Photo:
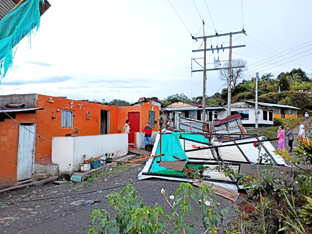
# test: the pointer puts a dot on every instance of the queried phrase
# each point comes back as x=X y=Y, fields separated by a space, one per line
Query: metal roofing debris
x=227 y=119
x=7 y=5
x=233 y=153
x=273 y=105
x=10 y=110
x=222 y=191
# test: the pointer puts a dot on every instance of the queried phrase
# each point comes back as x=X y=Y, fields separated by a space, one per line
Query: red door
x=134 y=118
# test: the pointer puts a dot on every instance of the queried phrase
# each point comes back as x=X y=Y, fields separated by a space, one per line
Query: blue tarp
x=171 y=146
x=13 y=27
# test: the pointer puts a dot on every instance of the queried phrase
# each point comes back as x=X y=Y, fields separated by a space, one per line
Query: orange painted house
x=44 y=117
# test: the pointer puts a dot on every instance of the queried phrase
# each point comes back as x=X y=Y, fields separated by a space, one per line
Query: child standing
x=147 y=135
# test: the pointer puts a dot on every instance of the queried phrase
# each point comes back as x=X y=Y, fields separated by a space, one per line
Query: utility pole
x=229 y=78
x=256 y=101
x=204 y=70
x=204 y=77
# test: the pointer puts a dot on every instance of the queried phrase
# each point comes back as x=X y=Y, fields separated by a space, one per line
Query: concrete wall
x=30 y=100
x=140 y=139
x=68 y=152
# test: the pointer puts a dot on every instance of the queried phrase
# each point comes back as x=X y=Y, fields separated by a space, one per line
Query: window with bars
x=265 y=115
x=67 y=119
x=270 y=115
x=244 y=114
x=151 y=118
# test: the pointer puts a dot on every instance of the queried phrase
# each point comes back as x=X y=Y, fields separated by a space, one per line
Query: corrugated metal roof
x=7 y=5
x=227 y=119
x=10 y=110
x=274 y=105
x=194 y=108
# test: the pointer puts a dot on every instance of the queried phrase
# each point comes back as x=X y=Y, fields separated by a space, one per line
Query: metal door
x=134 y=118
x=25 y=157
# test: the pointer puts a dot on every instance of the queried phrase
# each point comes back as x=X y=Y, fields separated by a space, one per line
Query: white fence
x=68 y=152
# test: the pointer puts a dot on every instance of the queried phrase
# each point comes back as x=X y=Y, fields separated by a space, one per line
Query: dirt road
x=66 y=208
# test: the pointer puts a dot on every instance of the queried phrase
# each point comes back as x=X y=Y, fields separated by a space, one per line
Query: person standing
x=301 y=133
x=126 y=128
x=281 y=139
x=306 y=115
x=290 y=139
x=147 y=135
x=310 y=132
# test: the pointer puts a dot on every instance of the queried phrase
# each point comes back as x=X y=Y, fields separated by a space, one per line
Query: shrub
x=133 y=217
x=278 y=122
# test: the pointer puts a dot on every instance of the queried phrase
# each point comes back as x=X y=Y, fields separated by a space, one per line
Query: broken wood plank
x=180 y=159
x=222 y=191
x=175 y=165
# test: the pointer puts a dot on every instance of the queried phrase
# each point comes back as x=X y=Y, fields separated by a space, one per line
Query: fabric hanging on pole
x=13 y=27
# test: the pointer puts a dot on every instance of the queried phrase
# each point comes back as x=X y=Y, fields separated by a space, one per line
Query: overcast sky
x=123 y=49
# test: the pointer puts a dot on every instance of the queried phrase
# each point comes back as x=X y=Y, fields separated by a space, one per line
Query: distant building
x=267 y=112
x=191 y=111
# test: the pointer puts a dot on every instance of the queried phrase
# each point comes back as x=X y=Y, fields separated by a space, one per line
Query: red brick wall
x=9 y=147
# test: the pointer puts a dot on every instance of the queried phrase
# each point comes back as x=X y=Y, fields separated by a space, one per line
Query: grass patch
x=77 y=187
x=119 y=168
x=271 y=132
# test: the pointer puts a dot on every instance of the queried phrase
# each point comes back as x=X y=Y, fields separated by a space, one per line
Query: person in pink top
x=281 y=138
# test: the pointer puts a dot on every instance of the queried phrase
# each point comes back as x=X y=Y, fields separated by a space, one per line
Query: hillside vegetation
x=289 y=84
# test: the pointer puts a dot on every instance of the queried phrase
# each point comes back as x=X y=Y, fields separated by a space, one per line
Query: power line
x=285 y=59
x=199 y=30
x=210 y=16
x=285 y=62
x=198 y=11
x=19 y=124
x=283 y=53
x=180 y=18
x=266 y=47
x=263 y=44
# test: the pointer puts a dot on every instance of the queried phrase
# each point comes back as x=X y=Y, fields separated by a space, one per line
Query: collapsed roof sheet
x=234 y=153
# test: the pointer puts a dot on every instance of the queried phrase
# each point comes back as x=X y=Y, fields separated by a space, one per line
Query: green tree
x=176 y=98
x=118 y=102
x=284 y=84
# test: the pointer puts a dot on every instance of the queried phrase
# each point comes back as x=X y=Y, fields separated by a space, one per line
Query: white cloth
x=126 y=128
x=301 y=131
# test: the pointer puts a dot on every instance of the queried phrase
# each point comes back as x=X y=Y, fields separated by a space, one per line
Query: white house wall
x=63 y=153
x=68 y=152
x=252 y=116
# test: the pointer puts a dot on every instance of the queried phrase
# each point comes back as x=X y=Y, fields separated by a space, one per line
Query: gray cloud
x=109 y=81
x=74 y=87
x=43 y=64
x=52 y=79
x=135 y=87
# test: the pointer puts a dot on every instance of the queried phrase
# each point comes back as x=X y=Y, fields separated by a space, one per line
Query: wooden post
x=230 y=77
x=204 y=84
x=160 y=144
